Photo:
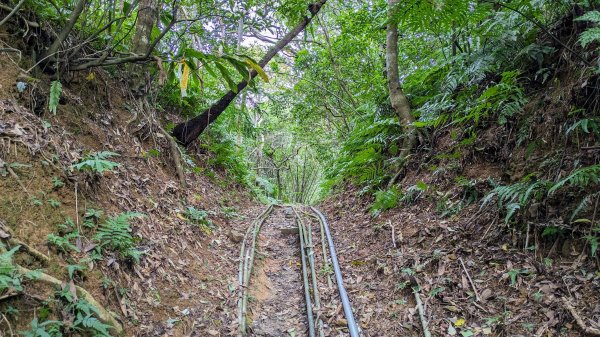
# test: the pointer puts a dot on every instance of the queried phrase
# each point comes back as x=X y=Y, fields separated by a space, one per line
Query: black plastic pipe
x=352 y=327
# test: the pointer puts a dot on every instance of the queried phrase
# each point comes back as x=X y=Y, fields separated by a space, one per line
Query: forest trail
x=287 y=289
x=278 y=307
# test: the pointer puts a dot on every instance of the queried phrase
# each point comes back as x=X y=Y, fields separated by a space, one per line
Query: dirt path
x=276 y=305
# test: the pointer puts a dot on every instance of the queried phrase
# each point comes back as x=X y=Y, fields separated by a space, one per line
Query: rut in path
x=277 y=306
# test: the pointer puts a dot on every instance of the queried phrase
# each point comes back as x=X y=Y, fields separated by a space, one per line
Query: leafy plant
x=9 y=275
x=592 y=34
x=54 y=203
x=514 y=197
x=199 y=218
x=514 y=273
x=97 y=162
x=384 y=200
x=63 y=243
x=115 y=235
x=57 y=183
x=55 y=91
x=42 y=329
x=581 y=178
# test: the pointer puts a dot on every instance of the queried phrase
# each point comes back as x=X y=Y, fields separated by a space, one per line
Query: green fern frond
x=580 y=178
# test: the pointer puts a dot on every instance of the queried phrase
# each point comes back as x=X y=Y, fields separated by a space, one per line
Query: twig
x=421 y=309
x=393 y=233
x=8 y=323
x=470 y=280
x=579 y=320
x=527 y=237
x=16 y=9
x=77 y=209
x=14 y=175
x=588 y=148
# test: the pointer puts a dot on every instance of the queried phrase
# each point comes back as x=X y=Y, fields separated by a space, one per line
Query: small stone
x=235 y=236
x=289 y=230
x=213 y=332
x=341 y=322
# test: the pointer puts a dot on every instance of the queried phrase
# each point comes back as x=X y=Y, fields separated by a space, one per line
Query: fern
x=115 y=235
x=63 y=243
x=581 y=178
x=384 y=200
x=55 y=91
x=587 y=125
x=590 y=35
x=9 y=276
x=512 y=198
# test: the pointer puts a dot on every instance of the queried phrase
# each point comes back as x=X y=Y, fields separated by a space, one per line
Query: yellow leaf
x=182 y=217
x=505 y=247
x=459 y=322
x=91 y=76
x=185 y=76
x=258 y=69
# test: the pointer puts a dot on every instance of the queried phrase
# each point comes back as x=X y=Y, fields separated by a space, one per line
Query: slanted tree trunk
x=399 y=101
x=189 y=131
x=146 y=18
x=50 y=54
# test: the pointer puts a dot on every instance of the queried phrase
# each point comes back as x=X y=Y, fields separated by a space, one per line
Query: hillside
x=159 y=161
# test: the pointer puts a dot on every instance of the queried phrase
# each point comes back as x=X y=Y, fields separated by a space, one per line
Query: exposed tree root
x=6 y=234
x=104 y=316
x=176 y=157
x=30 y=250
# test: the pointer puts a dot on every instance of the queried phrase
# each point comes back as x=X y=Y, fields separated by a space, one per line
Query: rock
x=486 y=294
x=235 y=236
x=289 y=230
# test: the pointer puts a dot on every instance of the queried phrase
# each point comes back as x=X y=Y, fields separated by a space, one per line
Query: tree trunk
x=50 y=54
x=399 y=101
x=189 y=131
x=147 y=15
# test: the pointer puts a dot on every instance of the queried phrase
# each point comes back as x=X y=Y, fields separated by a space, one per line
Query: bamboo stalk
x=244 y=271
x=309 y=314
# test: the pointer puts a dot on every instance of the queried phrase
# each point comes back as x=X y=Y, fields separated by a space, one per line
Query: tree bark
x=146 y=18
x=190 y=130
x=398 y=99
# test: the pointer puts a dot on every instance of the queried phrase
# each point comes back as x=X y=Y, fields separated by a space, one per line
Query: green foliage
x=115 y=235
x=85 y=315
x=57 y=183
x=199 y=218
x=43 y=329
x=593 y=239
x=385 y=199
x=592 y=34
x=9 y=275
x=362 y=158
x=55 y=91
x=97 y=162
x=580 y=178
x=54 y=203
x=518 y=196
x=587 y=125
x=63 y=243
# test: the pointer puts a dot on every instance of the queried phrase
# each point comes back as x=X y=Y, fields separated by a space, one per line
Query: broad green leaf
x=257 y=67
